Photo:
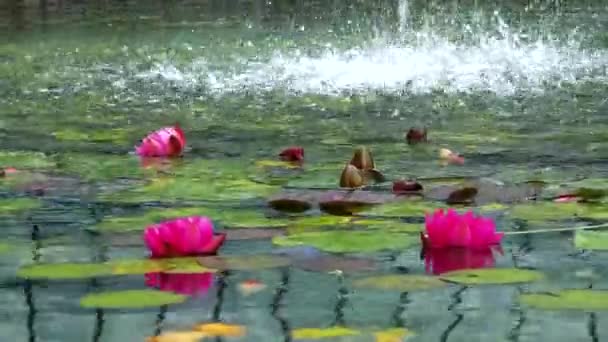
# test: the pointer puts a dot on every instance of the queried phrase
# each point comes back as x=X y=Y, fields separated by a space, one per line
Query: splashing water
x=418 y=61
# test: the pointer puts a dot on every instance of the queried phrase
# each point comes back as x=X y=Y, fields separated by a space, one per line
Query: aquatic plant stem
x=554 y=230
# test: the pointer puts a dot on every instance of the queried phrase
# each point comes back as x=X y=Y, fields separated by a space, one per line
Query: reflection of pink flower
x=454 y=230
x=165 y=142
x=181 y=283
x=186 y=236
x=437 y=261
x=292 y=154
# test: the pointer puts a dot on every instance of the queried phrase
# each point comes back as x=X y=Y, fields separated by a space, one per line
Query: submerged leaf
x=348 y=241
x=589 y=300
x=243 y=262
x=317 y=333
x=401 y=283
x=290 y=205
x=462 y=196
x=130 y=299
x=492 y=276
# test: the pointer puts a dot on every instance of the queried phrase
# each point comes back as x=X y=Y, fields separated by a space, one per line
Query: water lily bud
x=362 y=159
x=415 y=136
x=351 y=177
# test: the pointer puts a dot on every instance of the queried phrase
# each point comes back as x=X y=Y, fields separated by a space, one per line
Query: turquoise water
x=519 y=90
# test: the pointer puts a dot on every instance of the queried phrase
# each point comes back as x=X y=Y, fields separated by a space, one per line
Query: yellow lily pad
x=393 y=335
x=317 y=333
x=221 y=330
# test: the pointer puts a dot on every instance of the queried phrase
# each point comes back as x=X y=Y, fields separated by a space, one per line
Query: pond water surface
x=519 y=90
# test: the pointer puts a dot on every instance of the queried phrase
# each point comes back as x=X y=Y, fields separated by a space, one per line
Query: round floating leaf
x=243 y=262
x=130 y=299
x=64 y=271
x=315 y=222
x=348 y=241
x=178 y=336
x=545 y=211
x=317 y=333
x=405 y=208
x=491 y=276
x=95 y=167
x=25 y=160
x=390 y=225
x=116 y=135
x=393 y=335
x=228 y=217
x=221 y=329
x=586 y=239
x=10 y=206
x=591 y=300
x=277 y=163
x=401 y=283
x=169 y=265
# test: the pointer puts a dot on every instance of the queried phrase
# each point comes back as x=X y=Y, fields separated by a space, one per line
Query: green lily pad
x=64 y=271
x=115 y=135
x=5 y=247
x=491 y=276
x=317 y=333
x=407 y=208
x=390 y=225
x=169 y=265
x=243 y=262
x=130 y=299
x=551 y=211
x=315 y=222
x=341 y=241
x=591 y=300
x=115 y=267
x=25 y=160
x=11 y=206
x=168 y=189
x=586 y=239
x=545 y=211
x=401 y=283
x=92 y=167
x=233 y=218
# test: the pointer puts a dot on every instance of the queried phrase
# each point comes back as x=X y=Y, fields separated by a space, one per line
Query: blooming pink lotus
x=450 y=229
x=186 y=236
x=181 y=283
x=165 y=142
x=442 y=260
x=292 y=154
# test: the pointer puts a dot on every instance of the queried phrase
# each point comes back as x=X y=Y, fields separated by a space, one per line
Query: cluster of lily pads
x=365 y=212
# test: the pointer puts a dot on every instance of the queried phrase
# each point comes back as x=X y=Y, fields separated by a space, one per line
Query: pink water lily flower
x=165 y=142
x=186 y=236
x=181 y=283
x=450 y=229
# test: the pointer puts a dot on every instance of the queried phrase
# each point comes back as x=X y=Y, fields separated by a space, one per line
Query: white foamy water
x=502 y=63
